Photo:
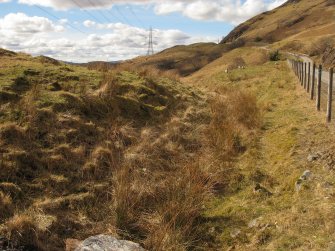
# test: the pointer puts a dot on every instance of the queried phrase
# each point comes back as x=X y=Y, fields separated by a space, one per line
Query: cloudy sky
x=87 y=30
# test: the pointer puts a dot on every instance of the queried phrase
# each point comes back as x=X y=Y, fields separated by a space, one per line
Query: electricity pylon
x=151 y=45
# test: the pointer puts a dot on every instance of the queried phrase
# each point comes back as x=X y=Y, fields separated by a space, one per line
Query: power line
x=136 y=17
x=86 y=11
x=102 y=14
x=57 y=18
x=110 y=13
x=123 y=16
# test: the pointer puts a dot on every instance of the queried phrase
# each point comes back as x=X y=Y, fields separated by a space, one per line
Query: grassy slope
x=180 y=60
x=84 y=153
x=292 y=129
x=295 y=26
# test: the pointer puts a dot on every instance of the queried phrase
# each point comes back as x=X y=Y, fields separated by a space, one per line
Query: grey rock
x=306 y=175
x=107 y=243
x=313 y=157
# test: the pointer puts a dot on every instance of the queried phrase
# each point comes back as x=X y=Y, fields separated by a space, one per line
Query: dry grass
x=235 y=115
x=321 y=46
x=128 y=156
x=22 y=231
x=6 y=206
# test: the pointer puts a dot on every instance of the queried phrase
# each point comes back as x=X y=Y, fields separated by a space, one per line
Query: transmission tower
x=151 y=45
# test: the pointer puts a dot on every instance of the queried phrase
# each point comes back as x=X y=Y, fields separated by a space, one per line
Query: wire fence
x=317 y=82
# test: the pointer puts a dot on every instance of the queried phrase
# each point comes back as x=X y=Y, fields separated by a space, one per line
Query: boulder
x=107 y=243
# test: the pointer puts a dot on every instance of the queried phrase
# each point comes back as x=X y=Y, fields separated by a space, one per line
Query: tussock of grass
x=235 y=115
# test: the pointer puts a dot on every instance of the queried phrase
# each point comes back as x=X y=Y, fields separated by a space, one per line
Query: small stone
x=235 y=233
x=261 y=190
x=298 y=184
x=313 y=157
x=306 y=175
x=255 y=223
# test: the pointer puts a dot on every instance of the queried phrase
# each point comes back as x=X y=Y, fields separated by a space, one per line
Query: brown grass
x=22 y=230
x=235 y=115
x=321 y=46
x=131 y=157
x=6 y=206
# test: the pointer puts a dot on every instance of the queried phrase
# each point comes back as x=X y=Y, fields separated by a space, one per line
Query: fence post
x=296 y=68
x=301 y=73
x=330 y=95
x=313 y=82
x=305 y=75
x=309 y=76
x=318 y=99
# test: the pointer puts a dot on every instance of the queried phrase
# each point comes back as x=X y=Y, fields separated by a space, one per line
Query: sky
x=111 y=30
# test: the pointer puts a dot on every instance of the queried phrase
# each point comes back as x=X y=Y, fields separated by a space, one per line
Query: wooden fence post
x=309 y=76
x=301 y=73
x=313 y=82
x=330 y=95
x=305 y=75
x=318 y=99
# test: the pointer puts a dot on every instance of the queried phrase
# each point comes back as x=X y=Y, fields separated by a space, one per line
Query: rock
x=261 y=190
x=313 y=157
x=107 y=243
x=298 y=184
x=304 y=177
x=255 y=223
x=235 y=233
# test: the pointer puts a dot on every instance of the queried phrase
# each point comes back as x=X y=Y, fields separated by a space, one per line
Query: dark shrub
x=274 y=55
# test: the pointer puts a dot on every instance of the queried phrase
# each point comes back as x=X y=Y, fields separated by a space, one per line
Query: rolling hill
x=306 y=26
x=182 y=150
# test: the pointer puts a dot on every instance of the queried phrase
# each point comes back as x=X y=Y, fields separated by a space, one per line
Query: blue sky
x=87 y=30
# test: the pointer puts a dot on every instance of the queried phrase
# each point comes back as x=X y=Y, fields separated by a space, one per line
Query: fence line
x=312 y=79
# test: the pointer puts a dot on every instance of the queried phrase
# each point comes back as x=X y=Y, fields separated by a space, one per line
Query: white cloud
x=275 y=4
x=89 y=23
x=233 y=11
x=4 y=1
x=20 y=23
x=114 y=41
x=220 y=10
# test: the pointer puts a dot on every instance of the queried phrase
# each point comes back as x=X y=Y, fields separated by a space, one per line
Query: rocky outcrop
x=107 y=243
